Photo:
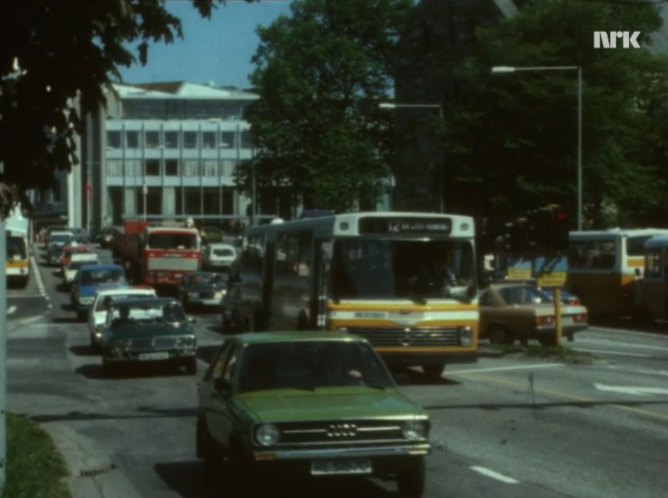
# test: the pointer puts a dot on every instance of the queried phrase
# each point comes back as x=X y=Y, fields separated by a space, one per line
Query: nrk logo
x=608 y=39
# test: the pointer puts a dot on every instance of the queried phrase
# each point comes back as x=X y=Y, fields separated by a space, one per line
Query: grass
x=35 y=468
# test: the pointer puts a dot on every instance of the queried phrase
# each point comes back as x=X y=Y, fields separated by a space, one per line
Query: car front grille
x=149 y=344
x=434 y=337
x=337 y=431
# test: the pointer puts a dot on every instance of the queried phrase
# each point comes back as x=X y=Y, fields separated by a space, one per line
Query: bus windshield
x=16 y=248
x=413 y=269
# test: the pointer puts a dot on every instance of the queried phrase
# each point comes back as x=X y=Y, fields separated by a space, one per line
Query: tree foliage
x=56 y=61
x=514 y=137
x=320 y=74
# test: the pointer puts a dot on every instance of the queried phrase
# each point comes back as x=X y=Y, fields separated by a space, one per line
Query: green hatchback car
x=310 y=403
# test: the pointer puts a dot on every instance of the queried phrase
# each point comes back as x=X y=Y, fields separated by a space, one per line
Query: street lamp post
x=500 y=70
x=392 y=105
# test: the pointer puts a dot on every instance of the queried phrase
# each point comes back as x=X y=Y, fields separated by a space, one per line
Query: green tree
x=513 y=139
x=56 y=60
x=320 y=74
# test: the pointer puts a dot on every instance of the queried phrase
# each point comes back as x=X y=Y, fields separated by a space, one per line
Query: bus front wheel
x=434 y=370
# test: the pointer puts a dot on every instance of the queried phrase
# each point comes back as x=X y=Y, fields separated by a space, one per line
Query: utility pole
x=3 y=356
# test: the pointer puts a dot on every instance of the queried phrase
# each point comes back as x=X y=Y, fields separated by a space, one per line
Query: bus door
x=322 y=255
x=654 y=295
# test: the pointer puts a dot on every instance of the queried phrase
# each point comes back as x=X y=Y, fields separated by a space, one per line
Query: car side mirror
x=223 y=386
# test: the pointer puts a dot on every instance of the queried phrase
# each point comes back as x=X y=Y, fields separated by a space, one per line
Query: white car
x=98 y=312
x=77 y=260
x=218 y=256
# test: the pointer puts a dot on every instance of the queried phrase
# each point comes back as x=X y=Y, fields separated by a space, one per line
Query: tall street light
x=500 y=70
x=393 y=105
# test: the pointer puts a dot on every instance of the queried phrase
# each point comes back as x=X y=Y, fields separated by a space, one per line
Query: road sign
x=551 y=272
x=519 y=269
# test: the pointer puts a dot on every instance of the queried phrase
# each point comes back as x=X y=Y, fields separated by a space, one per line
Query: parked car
x=202 y=288
x=76 y=262
x=511 y=311
x=81 y=235
x=148 y=331
x=211 y=234
x=90 y=279
x=103 y=299
x=219 y=256
x=57 y=241
x=230 y=308
x=310 y=404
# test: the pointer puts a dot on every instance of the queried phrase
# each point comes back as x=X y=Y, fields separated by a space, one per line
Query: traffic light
x=519 y=240
x=549 y=228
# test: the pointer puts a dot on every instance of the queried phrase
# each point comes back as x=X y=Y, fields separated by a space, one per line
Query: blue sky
x=218 y=49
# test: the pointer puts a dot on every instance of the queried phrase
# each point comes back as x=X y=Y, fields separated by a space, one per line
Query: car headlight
x=186 y=342
x=466 y=336
x=414 y=430
x=219 y=295
x=267 y=435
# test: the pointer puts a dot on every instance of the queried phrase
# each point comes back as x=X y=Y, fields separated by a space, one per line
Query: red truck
x=157 y=255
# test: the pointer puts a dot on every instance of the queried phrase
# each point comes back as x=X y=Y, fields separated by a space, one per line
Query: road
x=508 y=426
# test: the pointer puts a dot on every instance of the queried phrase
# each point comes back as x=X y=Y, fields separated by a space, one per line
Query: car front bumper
x=333 y=453
x=153 y=356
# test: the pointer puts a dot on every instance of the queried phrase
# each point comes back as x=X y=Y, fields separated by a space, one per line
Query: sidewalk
x=92 y=473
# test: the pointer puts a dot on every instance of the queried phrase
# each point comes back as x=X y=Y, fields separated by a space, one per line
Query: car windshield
x=205 y=279
x=414 y=269
x=75 y=265
x=124 y=316
x=312 y=364
x=223 y=252
x=61 y=238
x=92 y=277
x=104 y=302
x=172 y=241
x=523 y=294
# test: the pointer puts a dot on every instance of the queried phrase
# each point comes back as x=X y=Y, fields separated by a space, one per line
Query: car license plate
x=340 y=466
x=153 y=356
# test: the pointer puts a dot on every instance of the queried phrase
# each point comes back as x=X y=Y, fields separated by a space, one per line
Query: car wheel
x=94 y=346
x=411 y=480
x=191 y=366
x=500 y=335
x=433 y=371
x=208 y=450
x=81 y=315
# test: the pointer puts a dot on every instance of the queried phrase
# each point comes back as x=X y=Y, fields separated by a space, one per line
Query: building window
x=172 y=167
x=114 y=139
x=246 y=141
x=132 y=167
x=172 y=139
x=190 y=139
x=132 y=139
x=211 y=199
x=228 y=139
x=152 y=139
x=210 y=167
x=190 y=167
x=228 y=167
x=114 y=167
x=209 y=139
x=193 y=201
x=152 y=167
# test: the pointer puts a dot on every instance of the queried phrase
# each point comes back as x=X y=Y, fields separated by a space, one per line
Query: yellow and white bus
x=18 y=251
x=653 y=288
x=405 y=281
x=602 y=268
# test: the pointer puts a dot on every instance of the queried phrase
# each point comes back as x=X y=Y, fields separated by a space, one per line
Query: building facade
x=170 y=151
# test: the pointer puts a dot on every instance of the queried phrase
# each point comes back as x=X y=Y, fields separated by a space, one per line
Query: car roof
x=296 y=336
x=125 y=291
x=222 y=244
x=144 y=301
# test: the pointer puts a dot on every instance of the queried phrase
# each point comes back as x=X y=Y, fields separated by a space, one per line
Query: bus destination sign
x=414 y=226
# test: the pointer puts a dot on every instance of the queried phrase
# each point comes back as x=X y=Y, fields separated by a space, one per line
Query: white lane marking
x=638 y=391
x=616 y=353
x=30 y=320
x=663 y=373
x=38 y=278
x=11 y=310
x=620 y=331
x=621 y=344
x=495 y=475
x=498 y=369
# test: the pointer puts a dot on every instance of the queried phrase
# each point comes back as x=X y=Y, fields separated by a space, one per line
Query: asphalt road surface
x=508 y=426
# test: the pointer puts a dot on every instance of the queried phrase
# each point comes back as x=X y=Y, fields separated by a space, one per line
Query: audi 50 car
x=311 y=404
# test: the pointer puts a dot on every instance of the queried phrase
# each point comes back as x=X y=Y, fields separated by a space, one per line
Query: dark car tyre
x=191 y=366
x=500 y=335
x=411 y=481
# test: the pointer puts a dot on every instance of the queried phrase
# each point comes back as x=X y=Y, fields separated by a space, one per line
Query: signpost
x=552 y=272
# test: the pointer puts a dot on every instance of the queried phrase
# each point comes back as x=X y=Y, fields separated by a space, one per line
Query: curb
x=92 y=473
